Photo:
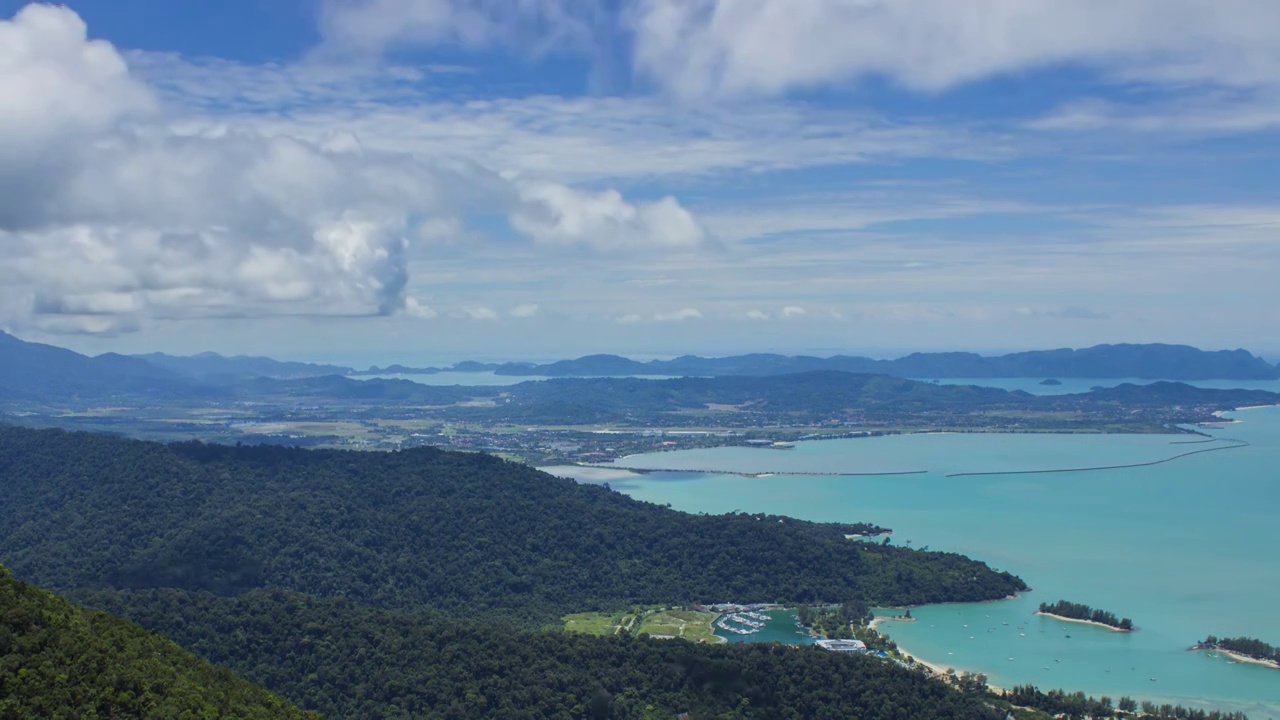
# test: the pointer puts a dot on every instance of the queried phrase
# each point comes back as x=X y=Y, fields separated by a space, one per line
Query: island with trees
x=1079 y=612
x=1242 y=649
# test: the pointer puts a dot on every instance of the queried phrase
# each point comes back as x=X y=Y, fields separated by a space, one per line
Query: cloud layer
x=697 y=47
x=701 y=48
x=111 y=214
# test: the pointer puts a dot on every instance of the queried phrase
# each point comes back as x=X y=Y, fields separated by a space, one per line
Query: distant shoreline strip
x=646 y=471
x=1239 y=444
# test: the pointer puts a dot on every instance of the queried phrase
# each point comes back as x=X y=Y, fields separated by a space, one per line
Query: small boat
x=1152 y=679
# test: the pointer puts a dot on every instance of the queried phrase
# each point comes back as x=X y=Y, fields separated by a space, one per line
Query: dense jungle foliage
x=419 y=528
x=58 y=660
x=352 y=662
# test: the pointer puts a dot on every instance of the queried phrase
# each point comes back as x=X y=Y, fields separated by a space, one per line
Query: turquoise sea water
x=1186 y=548
x=1079 y=385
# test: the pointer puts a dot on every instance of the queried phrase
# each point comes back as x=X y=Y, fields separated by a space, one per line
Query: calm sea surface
x=1186 y=548
x=475 y=379
x=1031 y=385
x=1079 y=385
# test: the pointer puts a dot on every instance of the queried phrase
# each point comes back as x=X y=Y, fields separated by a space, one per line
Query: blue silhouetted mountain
x=214 y=367
x=1153 y=362
x=38 y=372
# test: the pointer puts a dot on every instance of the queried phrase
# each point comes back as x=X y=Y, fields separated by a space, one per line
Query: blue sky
x=426 y=180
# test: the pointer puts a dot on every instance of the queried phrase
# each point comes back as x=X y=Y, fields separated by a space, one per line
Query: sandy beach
x=589 y=473
x=1245 y=658
x=939 y=669
x=879 y=619
x=936 y=668
x=1083 y=622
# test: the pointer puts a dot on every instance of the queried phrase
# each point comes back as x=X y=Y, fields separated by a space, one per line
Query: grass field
x=687 y=624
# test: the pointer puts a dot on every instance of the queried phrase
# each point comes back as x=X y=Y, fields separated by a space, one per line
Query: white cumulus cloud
x=415 y=309
x=678 y=315
x=558 y=215
x=111 y=213
x=791 y=311
x=525 y=310
x=479 y=313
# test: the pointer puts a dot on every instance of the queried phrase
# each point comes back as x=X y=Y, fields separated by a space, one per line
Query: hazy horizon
x=357 y=360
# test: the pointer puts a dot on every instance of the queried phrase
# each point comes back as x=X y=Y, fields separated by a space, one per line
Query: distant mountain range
x=1151 y=362
x=33 y=372
x=36 y=372
x=211 y=366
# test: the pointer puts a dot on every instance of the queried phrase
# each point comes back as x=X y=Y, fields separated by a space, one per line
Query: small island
x=1242 y=649
x=1051 y=382
x=1079 y=612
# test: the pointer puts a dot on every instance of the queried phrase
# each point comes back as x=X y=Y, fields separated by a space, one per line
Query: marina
x=773 y=625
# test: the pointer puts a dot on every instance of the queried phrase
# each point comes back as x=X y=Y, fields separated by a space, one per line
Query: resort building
x=849 y=647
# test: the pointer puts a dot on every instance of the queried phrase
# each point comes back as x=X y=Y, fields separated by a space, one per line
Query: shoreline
x=940 y=670
x=935 y=668
x=879 y=619
x=1239 y=657
x=1112 y=628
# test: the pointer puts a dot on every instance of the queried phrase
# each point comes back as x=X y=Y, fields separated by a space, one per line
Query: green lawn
x=658 y=620
x=688 y=624
x=596 y=623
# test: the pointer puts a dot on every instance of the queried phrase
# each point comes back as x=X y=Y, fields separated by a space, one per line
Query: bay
x=1185 y=548
x=474 y=379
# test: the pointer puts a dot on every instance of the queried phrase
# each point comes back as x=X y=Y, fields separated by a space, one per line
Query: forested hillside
x=424 y=527
x=58 y=660
x=353 y=662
